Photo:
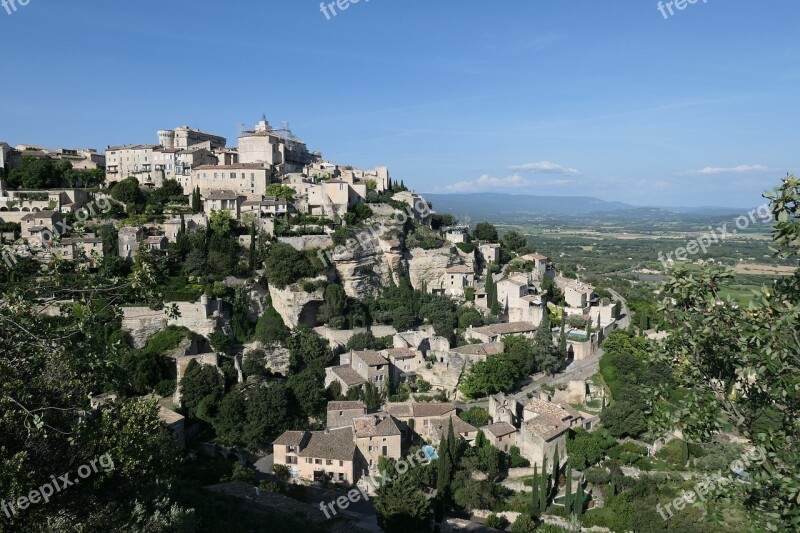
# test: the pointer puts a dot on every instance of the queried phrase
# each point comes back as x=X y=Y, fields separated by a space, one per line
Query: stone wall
x=308 y=242
x=297 y=306
x=338 y=338
x=203 y=317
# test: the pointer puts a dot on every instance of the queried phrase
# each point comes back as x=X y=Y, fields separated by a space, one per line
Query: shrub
x=597 y=476
x=496 y=522
x=466 y=247
x=166 y=387
x=281 y=472
x=676 y=452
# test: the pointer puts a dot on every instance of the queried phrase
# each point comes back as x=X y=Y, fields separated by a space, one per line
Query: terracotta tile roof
x=375 y=426
x=550 y=419
x=345 y=406
x=460 y=269
x=501 y=429
x=290 y=438
x=335 y=444
x=509 y=328
x=459 y=426
x=535 y=257
x=486 y=348
x=348 y=376
x=371 y=357
x=420 y=409
x=169 y=417
x=221 y=195
x=400 y=353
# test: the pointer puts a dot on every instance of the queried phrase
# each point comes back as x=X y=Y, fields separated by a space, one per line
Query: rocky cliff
x=297 y=306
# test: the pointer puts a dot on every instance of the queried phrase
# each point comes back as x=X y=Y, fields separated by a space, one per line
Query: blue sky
x=608 y=99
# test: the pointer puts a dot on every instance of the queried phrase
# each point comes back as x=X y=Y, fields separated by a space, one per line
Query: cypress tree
x=183 y=225
x=452 y=444
x=556 y=468
x=568 y=492
x=562 y=339
x=535 y=500
x=252 y=258
x=579 y=499
x=444 y=474
x=545 y=486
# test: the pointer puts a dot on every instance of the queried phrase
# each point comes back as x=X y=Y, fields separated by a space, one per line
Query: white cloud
x=487 y=182
x=708 y=171
x=545 y=167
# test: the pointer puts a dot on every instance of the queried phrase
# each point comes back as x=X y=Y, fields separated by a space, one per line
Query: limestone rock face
x=297 y=306
x=428 y=266
x=277 y=357
x=365 y=263
x=203 y=317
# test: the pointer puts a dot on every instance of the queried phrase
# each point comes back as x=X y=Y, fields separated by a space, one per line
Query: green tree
x=284 y=192
x=535 y=498
x=270 y=328
x=514 y=241
x=128 y=192
x=402 y=506
x=734 y=364
x=485 y=231
x=200 y=381
x=497 y=374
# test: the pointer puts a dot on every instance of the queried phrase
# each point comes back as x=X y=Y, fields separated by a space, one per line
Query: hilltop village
x=317 y=316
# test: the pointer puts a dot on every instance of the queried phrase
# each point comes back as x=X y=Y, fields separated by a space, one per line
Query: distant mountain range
x=496 y=206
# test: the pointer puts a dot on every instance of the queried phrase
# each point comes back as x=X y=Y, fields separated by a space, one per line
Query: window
x=317 y=461
x=385 y=451
x=291 y=460
x=290 y=449
x=342 y=477
x=308 y=460
x=329 y=462
x=369 y=449
x=341 y=463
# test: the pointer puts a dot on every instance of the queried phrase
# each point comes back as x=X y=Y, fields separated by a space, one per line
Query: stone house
x=404 y=363
x=541 y=426
x=490 y=252
x=129 y=238
x=456 y=234
x=496 y=332
x=40 y=227
x=577 y=294
x=376 y=436
x=457 y=279
x=156 y=243
x=88 y=247
x=173 y=226
x=316 y=455
x=501 y=435
x=540 y=265
x=341 y=414
x=358 y=368
x=222 y=200
x=419 y=419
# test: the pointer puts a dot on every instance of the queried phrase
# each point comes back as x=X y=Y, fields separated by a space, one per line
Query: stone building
x=129 y=239
x=496 y=332
x=541 y=427
x=358 y=368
